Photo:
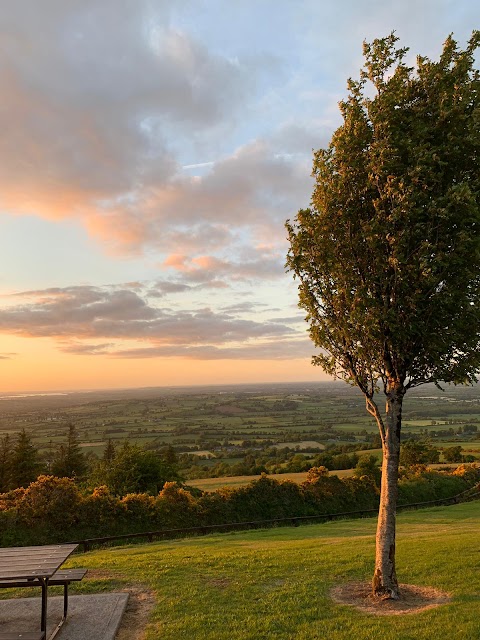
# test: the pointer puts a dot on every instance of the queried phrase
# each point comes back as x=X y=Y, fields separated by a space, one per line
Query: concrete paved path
x=90 y=617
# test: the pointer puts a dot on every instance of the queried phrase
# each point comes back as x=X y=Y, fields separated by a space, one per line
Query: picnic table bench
x=38 y=567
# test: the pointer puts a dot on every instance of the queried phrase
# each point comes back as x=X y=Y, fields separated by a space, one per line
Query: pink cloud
x=253 y=265
x=176 y=261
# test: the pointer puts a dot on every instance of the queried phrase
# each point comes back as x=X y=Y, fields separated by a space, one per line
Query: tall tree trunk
x=385 y=582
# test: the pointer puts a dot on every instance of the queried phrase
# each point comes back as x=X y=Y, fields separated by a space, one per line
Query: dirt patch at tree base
x=412 y=599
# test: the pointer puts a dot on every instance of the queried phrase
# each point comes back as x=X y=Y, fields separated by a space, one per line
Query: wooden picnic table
x=33 y=567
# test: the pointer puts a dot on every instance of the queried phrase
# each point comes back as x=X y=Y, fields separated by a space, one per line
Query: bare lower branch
x=374 y=411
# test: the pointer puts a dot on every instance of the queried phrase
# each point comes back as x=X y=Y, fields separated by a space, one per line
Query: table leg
x=65 y=611
x=43 y=624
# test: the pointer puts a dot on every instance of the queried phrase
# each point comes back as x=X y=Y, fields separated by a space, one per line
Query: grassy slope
x=275 y=584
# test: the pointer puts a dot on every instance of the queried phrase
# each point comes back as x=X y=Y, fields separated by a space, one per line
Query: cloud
x=198 y=165
x=249 y=193
x=93 y=108
x=85 y=349
x=165 y=287
x=75 y=310
x=244 y=307
x=106 y=105
x=81 y=318
x=291 y=319
x=102 y=104
x=272 y=350
x=251 y=264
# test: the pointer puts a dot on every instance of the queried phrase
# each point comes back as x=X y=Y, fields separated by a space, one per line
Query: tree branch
x=374 y=411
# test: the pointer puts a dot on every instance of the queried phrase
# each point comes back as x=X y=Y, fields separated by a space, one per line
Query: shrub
x=428 y=485
x=10 y=499
x=266 y=499
x=139 y=510
x=101 y=511
x=469 y=472
x=175 y=507
x=52 y=509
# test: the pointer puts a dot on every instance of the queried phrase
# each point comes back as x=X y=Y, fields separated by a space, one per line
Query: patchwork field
x=231 y=423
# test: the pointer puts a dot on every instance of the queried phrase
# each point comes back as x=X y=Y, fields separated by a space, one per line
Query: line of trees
x=21 y=463
x=272 y=461
x=129 y=468
x=125 y=469
x=415 y=452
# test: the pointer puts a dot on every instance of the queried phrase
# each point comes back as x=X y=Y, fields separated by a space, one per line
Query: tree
x=415 y=452
x=70 y=461
x=470 y=428
x=25 y=465
x=169 y=455
x=368 y=466
x=452 y=454
x=48 y=456
x=133 y=470
x=388 y=254
x=109 y=452
x=6 y=448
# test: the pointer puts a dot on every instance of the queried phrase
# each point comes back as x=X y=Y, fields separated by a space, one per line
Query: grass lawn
x=275 y=584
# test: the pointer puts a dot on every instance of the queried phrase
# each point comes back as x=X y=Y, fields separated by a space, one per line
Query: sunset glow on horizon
x=150 y=156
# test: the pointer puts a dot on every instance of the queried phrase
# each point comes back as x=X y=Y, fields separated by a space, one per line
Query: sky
x=151 y=152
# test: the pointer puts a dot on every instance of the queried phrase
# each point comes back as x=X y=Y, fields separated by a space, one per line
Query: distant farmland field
x=239 y=425
x=211 y=484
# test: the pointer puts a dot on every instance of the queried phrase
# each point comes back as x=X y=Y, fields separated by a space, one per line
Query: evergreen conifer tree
x=70 y=461
x=6 y=451
x=25 y=463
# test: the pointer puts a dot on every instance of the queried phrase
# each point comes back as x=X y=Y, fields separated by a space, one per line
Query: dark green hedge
x=54 y=509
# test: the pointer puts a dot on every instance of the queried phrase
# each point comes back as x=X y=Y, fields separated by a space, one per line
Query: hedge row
x=54 y=509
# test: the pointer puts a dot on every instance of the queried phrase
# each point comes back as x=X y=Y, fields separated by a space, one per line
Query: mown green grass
x=275 y=584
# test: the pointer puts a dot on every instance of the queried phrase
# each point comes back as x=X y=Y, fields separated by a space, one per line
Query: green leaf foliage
x=388 y=254
x=416 y=452
x=133 y=470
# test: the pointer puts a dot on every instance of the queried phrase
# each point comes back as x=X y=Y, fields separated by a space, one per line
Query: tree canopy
x=134 y=470
x=388 y=255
